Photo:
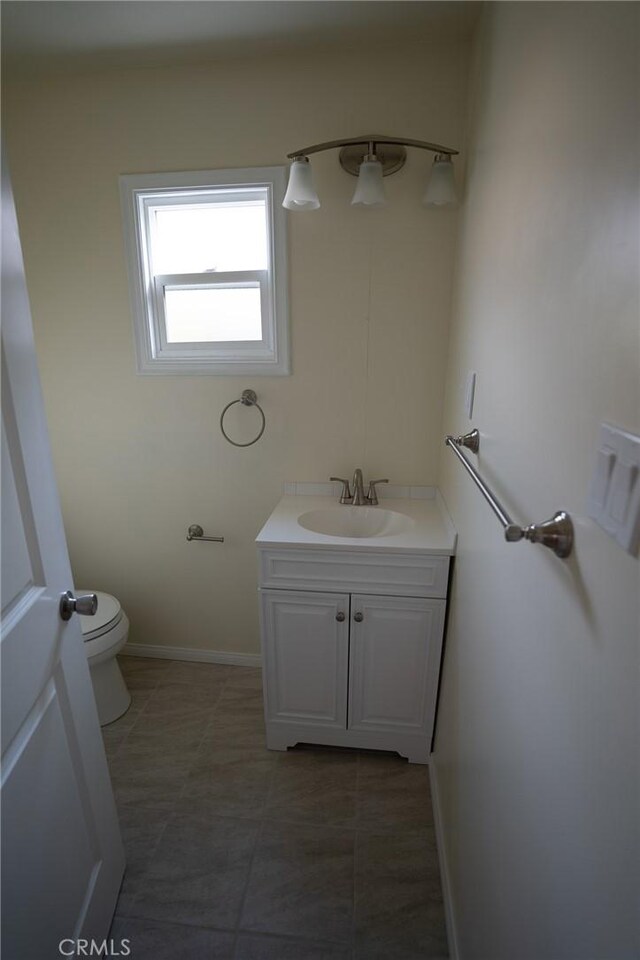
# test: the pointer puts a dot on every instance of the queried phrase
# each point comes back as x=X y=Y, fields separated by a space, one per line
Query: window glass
x=208 y=238
x=213 y=314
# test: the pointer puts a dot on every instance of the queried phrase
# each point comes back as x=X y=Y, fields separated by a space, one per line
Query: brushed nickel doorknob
x=86 y=605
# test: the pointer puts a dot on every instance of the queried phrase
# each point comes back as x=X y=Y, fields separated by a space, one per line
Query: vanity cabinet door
x=394 y=663
x=306 y=657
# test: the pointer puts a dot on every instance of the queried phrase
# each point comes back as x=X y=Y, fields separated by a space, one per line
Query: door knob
x=86 y=605
x=340 y=617
x=358 y=617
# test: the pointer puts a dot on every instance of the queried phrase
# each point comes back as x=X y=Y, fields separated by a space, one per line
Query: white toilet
x=105 y=634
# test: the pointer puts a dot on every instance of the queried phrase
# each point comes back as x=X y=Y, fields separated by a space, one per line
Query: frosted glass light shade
x=300 y=194
x=441 y=188
x=370 y=189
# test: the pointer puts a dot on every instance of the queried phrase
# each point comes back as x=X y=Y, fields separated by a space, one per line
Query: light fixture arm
x=369 y=140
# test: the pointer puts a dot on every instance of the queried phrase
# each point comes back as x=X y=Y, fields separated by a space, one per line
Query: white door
x=394 y=663
x=306 y=657
x=62 y=857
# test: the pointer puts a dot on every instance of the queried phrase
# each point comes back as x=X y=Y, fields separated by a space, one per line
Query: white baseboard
x=443 y=861
x=192 y=654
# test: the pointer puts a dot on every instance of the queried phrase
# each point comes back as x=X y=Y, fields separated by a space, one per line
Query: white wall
x=139 y=459
x=537 y=744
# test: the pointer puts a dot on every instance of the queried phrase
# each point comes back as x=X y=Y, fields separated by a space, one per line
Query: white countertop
x=430 y=533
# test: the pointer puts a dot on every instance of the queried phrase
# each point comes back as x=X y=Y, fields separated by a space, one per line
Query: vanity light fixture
x=370 y=158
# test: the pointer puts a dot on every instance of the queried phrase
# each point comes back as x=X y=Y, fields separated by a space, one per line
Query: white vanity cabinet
x=352 y=620
x=352 y=668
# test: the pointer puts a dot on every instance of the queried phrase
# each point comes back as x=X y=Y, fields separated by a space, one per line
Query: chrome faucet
x=358 y=498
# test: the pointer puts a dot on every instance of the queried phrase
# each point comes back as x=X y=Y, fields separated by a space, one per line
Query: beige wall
x=537 y=743
x=140 y=458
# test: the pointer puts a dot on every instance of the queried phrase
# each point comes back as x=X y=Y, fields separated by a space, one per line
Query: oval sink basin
x=345 y=521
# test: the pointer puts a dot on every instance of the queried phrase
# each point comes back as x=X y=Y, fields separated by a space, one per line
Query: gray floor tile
x=128 y=719
x=301 y=882
x=430 y=948
x=393 y=795
x=231 y=781
x=150 y=751
x=240 y=705
x=247 y=691
x=141 y=829
x=141 y=687
x=126 y=723
x=167 y=941
x=143 y=668
x=180 y=700
x=241 y=728
x=151 y=771
x=398 y=898
x=174 y=728
x=198 y=873
x=314 y=786
x=113 y=740
x=247 y=678
x=185 y=694
x=250 y=947
x=199 y=674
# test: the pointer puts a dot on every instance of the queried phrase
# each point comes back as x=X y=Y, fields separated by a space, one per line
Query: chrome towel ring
x=249 y=398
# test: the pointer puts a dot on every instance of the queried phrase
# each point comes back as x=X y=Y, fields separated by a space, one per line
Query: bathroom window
x=207 y=271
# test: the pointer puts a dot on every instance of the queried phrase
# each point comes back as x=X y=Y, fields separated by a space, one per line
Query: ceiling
x=66 y=35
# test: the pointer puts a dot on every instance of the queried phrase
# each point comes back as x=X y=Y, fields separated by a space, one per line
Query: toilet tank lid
x=108 y=610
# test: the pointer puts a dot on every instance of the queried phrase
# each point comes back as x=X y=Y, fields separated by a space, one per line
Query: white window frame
x=142 y=193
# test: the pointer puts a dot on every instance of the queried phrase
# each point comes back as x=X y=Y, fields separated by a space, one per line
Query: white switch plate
x=470 y=393
x=614 y=493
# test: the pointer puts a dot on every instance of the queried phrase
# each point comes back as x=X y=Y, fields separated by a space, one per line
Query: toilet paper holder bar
x=195 y=532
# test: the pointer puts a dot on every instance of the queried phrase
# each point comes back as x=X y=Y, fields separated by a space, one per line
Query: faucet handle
x=345 y=496
x=372 y=495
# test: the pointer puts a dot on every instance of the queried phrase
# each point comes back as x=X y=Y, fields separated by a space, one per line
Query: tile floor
x=235 y=852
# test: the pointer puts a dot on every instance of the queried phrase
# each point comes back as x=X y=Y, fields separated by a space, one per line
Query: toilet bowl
x=104 y=635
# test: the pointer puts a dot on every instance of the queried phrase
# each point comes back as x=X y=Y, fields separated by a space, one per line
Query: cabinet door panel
x=305 y=650
x=394 y=663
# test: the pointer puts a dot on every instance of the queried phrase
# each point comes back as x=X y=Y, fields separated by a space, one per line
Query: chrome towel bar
x=556 y=533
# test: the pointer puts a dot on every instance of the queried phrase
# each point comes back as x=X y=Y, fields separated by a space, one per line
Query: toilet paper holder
x=195 y=532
